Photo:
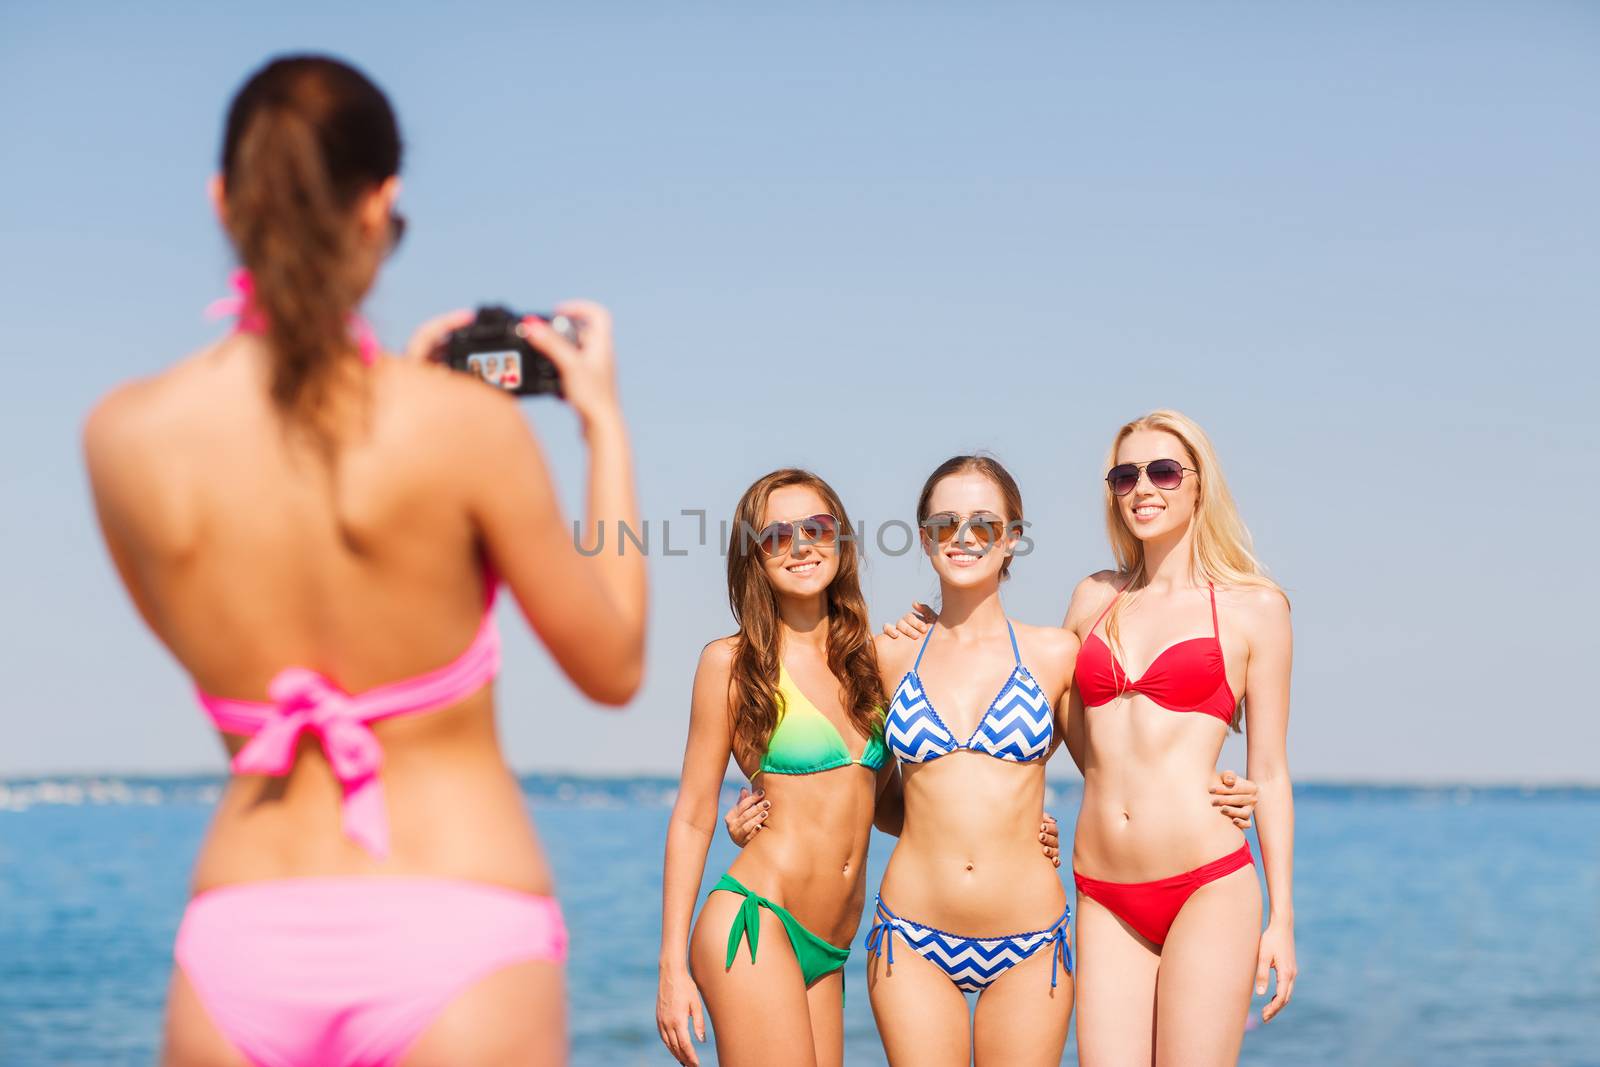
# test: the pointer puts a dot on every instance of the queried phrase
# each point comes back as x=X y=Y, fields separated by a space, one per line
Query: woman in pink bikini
x=303 y=523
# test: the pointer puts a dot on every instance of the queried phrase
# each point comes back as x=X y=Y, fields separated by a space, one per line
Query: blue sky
x=1358 y=243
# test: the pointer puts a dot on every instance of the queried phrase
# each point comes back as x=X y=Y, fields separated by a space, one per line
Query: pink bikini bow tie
x=304 y=700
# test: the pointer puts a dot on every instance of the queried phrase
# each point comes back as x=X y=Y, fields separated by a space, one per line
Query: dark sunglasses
x=775 y=539
x=397 y=230
x=1163 y=474
x=984 y=529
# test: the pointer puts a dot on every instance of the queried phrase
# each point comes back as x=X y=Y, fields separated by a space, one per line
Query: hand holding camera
x=586 y=366
x=494 y=346
x=565 y=353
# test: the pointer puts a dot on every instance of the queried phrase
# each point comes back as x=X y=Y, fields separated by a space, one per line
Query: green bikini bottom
x=818 y=958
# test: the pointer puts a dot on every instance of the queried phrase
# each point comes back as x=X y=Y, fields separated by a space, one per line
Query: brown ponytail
x=306 y=137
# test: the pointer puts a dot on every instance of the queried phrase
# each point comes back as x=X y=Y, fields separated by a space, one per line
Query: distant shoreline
x=541 y=780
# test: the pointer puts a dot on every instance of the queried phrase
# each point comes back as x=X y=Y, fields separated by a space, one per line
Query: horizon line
x=1321 y=781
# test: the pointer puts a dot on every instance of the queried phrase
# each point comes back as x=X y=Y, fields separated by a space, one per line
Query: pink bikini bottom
x=340 y=972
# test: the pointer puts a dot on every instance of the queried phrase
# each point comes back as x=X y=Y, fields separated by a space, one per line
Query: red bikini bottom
x=1150 y=907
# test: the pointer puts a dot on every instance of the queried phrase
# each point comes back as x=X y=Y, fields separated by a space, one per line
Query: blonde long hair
x=1221 y=549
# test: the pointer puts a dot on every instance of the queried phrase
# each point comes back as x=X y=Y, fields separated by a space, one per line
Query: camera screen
x=497 y=368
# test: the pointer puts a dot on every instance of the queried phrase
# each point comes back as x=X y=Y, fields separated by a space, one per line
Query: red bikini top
x=1187 y=676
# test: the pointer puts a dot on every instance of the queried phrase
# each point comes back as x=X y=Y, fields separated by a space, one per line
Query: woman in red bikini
x=1184 y=630
x=1168 y=930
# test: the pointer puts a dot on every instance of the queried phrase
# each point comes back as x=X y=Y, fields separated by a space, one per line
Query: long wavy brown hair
x=753 y=689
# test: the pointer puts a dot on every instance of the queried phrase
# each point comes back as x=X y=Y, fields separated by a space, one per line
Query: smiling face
x=810 y=565
x=1148 y=512
x=970 y=510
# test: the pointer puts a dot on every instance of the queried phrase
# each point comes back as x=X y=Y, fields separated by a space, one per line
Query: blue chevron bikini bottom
x=970 y=962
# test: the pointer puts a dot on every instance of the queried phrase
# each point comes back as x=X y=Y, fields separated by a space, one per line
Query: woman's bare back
x=247 y=551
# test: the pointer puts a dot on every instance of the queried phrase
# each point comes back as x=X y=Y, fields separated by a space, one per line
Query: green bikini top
x=806 y=742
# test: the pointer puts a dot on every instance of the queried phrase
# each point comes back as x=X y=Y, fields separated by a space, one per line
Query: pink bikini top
x=302 y=699
x=1187 y=676
x=250 y=319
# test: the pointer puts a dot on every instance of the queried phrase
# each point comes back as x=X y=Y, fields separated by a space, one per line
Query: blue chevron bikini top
x=1017 y=727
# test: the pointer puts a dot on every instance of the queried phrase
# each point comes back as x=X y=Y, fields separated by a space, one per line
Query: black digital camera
x=493 y=348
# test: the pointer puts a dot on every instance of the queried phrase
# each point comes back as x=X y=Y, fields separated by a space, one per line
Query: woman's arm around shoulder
x=889 y=807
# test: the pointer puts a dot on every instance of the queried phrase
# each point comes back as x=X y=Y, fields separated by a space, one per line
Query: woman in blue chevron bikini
x=965 y=904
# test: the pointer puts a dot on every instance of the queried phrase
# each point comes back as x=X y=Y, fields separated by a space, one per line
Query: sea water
x=1441 y=925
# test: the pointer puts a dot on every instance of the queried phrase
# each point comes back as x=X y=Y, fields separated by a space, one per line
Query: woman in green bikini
x=793 y=698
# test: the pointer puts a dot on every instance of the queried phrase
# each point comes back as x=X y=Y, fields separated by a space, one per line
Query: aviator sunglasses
x=984 y=529
x=1163 y=474
x=777 y=538
x=397 y=230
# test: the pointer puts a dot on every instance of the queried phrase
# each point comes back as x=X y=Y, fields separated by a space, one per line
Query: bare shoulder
x=123 y=432
x=716 y=662
x=142 y=405
x=1098 y=588
x=469 y=411
x=1050 y=652
x=1262 y=609
x=1091 y=596
x=719 y=652
x=713 y=683
x=1053 y=641
x=116 y=419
